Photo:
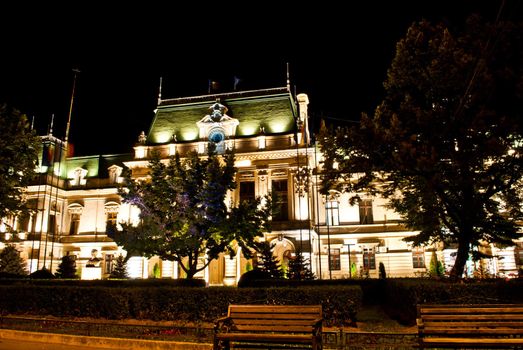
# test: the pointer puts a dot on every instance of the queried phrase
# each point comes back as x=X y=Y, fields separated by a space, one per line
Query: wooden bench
x=470 y=326
x=269 y=326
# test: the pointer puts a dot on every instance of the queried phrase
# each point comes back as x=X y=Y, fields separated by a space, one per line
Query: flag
x=236 y=82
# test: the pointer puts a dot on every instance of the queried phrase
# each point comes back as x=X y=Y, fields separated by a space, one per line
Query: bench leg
x=221 y=344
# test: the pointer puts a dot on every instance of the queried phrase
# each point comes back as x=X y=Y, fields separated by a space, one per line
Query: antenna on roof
x=160 y=91
x=288 y=79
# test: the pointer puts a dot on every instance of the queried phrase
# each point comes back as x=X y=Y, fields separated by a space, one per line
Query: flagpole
x=76 y=71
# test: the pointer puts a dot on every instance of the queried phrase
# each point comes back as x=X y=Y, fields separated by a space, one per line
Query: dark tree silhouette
x=445 y=146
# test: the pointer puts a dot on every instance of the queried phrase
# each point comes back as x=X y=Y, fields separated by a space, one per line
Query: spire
x=51 y=127
x=32 y=123
x=288 y=79
x=76 y=71
x=160 y=91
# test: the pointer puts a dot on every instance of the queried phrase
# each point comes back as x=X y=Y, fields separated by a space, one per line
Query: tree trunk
x=461 y=259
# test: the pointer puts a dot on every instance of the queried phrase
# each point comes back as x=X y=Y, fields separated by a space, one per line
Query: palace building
x=74 y=198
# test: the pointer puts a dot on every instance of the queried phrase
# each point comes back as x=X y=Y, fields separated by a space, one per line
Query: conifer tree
x=436 y=268
x=269 y=264
x=120 y=268
x=299 y=268
x=67 y=268
x=11 y=262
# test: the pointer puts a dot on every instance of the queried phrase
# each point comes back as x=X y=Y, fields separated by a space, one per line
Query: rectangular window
x=111 y=218
x=52 y=224
x=418 y=257
x=332 y=213
x=369 y=259
x=334 y=260
x=109 y=263
x=247 y=191
x=75 y=224
x=366 y=211
x=280 y=188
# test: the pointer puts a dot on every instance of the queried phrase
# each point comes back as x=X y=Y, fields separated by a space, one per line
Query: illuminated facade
x=268 y=130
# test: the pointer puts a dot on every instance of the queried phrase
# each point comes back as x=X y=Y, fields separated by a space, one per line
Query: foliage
x=382 y=272
x=299 y=268
x=11 y=262
x=340 y=303
x=436 y=268
x=445 y=145
x=120 y=268
x=403 y=295
x=19 y=148
x=252 y=278
x=269 y=264
x=67 y=268
x=157 y=271
x=183 y=214
x=44 y=274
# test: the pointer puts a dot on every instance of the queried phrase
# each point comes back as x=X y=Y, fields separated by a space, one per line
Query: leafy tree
x=299 y=268
x=120 y=268
x=11 y=262
x=445 y=145
x=436 y=268
x=268 y=264
x=19 y=148
x=184 y=215
x=67 y=268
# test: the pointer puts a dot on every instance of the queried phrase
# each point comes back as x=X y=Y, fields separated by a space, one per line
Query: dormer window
x=217 y=127
x=79 y=177
x=115 y=173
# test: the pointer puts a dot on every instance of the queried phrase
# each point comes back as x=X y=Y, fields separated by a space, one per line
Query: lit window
x=109 y=263
x=366 y=211
x=334 y=260
x=369 y=259
x=279 y=187
x=247 y=191
x=332 y=213
x=75 y=224
x=418 y=257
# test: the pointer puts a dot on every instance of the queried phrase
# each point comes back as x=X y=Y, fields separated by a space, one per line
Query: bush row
x=340 y=304
x=401 y=296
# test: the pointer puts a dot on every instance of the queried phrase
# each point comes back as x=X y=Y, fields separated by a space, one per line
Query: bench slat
x=474 y=331
x=242 y=321
x=265 y=337
x=473 y=341
x=471 y=310
x=277 y=328
x=472 y=317
x=431 y=324
x=273 y=316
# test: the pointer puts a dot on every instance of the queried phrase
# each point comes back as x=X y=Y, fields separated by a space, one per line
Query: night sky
x=338 y=54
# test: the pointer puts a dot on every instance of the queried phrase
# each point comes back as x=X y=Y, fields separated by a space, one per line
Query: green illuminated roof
x=96 y=166
x=272 y=109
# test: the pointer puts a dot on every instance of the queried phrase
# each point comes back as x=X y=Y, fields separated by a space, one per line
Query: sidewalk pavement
x=100 y=342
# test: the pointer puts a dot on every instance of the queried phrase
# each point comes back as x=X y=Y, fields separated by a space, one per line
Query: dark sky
x=338 y=54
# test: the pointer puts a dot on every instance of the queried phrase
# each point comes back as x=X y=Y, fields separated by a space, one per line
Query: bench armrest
x=317 y=325
x=223 y=324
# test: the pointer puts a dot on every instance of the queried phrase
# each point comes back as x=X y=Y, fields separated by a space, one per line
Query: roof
x=96 y=166
x=272 y=109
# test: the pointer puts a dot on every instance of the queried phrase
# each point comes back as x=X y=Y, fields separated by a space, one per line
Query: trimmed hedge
x=403 y=295
x=340 y=303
